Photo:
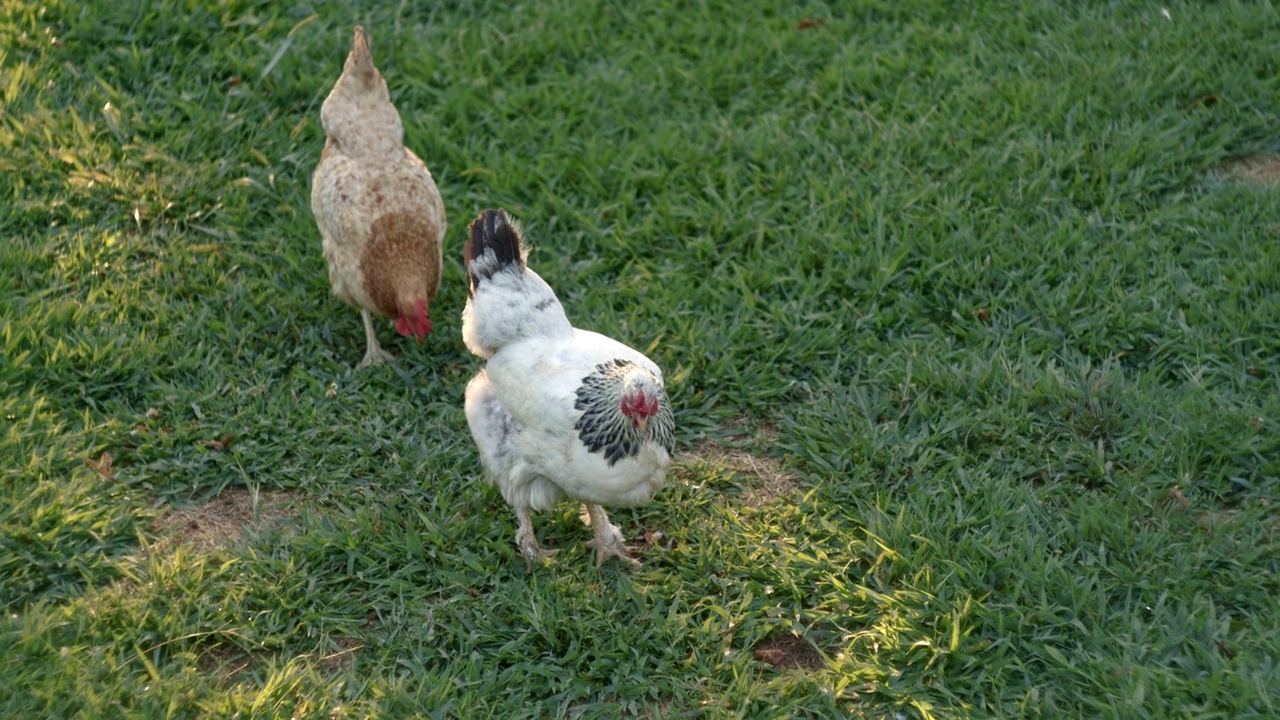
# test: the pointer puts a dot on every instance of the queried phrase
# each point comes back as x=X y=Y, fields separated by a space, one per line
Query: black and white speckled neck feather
x=604 y=429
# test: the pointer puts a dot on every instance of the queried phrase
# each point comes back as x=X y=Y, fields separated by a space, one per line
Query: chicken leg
x=375 y=354
x=527 y=541
x=608 y=541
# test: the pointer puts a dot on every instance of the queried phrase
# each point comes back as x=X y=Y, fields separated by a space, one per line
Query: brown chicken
x=379 y=212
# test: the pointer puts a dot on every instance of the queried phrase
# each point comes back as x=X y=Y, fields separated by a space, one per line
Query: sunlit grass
x=979 y=276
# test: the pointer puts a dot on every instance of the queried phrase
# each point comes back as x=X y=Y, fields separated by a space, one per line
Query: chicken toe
x=607 y=541
x=528 y=542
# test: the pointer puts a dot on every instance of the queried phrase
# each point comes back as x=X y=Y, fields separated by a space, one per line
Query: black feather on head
x=495 y=232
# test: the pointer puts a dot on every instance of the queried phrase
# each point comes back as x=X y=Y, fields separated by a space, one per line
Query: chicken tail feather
x=508 y=302
x=359 y=63
x=495 y=246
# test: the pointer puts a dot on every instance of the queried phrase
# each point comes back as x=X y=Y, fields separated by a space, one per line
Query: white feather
x=522 y=408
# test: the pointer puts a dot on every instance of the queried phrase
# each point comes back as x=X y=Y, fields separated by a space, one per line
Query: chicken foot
x=375 y=354
x=527 y=541
x=608 y=541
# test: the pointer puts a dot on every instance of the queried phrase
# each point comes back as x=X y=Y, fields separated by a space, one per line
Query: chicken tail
x=508 y=302
x=359 y=65
x=495 y=246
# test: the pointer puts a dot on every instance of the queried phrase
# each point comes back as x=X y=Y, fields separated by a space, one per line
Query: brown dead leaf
x=654 y=539
x=773 y=656
x=102 y=466
x=809 y=23
x=1205 y=101
x=219 y=445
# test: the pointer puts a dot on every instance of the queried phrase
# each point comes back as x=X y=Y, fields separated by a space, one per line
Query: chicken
x=556 y=411
x=380 y=215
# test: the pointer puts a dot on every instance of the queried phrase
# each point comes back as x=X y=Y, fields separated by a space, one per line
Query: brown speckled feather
x=393 y=258
x=380 y=215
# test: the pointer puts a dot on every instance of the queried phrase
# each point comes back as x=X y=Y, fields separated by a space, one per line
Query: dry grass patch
x=221 y=522
x=341 y=658
x=766 y=480
x=228 y=661
x=1254 y=169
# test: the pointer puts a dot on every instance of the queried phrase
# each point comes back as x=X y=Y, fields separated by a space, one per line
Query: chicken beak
x=642 y=424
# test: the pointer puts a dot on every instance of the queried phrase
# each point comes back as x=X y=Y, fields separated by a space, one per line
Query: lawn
x=970 y=316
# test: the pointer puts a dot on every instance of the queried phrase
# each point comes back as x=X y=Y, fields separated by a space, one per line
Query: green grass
x=971 y=262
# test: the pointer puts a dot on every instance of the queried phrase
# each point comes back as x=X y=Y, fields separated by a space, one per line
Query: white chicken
x=379 y=212
x=556 y=411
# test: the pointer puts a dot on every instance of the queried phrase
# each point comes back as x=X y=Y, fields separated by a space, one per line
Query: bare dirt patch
x=767 y=481
x=1254 y=170
x=788 y=652
x=222 y=521
x=228 y=661
x=340 y=660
